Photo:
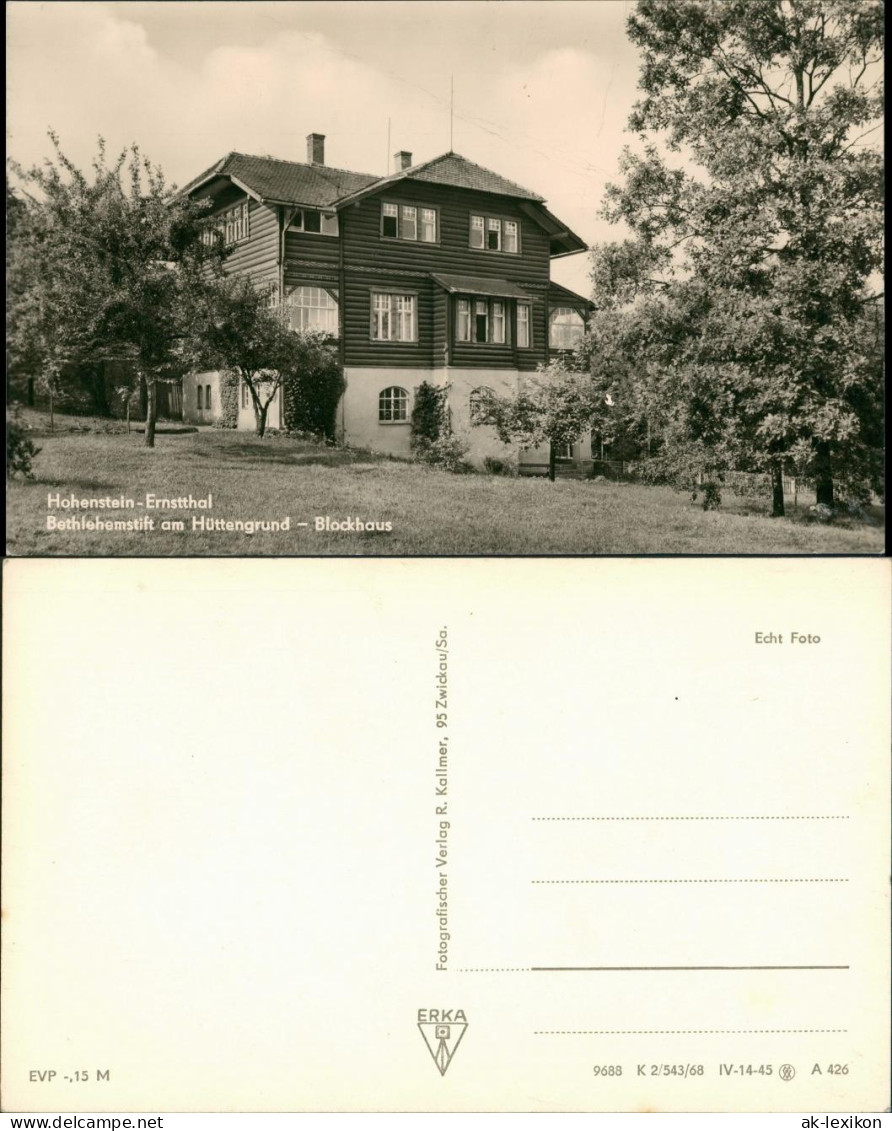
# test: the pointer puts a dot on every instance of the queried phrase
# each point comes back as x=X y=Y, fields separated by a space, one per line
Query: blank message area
x=670 y=800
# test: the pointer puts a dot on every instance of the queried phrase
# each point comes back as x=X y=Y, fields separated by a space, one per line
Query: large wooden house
x=438 y=272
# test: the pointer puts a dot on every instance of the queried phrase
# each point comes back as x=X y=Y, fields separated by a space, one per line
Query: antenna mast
x=451 y=107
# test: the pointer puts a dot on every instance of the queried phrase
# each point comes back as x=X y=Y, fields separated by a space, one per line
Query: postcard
x=395 y=836
x=359 y=278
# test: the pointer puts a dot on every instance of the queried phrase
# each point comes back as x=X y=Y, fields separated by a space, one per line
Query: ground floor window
x=246 y=396
x=393 y=405
x=200 y=397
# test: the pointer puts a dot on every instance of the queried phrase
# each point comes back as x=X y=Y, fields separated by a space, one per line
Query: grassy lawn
x=431 y=512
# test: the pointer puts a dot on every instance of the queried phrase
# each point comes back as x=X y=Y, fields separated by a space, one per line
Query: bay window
x=481 y=320
x=524 y=339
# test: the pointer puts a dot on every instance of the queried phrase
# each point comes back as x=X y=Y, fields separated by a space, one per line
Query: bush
x=433 y=440
x=447 y=452
x=228 y=400
x=712 y=496
x=494 y=466
x=20 y=448
x=312 y=391
x=430 y=414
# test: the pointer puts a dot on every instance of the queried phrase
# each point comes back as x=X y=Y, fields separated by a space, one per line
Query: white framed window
x=565 y=328
x=234 y=225
x=481 y=320
x=393 y=317
x=409 y=222
x=246 y=395
x=494 y=233
x=463 y=320
x=428 y=229
x=314 y=222
x=311 y=308
x=390 y=214
x=393 y=405
x=524 y=337
x=497 y=333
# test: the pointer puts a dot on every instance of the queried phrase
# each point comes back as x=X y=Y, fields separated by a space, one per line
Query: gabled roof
x=285 y=182
x=454 y=170
x=556 y=291
x=273 y=181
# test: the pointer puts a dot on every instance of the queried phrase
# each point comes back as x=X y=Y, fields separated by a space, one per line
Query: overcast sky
x=543 y=88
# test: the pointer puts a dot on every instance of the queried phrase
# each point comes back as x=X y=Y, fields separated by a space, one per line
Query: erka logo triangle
x=442 y=1030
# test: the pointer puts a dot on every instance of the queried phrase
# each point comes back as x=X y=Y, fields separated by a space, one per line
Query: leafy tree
x=109 y=267
x=554 y=407
x=247 y=334
x=757 y=255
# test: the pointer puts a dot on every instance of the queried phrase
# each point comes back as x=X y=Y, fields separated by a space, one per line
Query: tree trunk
x=52 y=413
x=260 y=412
x=823 y=474
x=30 y=395
x=552 y=461
x=128 y=413
x=777 y=491
x=151 y=410
x=143 y=397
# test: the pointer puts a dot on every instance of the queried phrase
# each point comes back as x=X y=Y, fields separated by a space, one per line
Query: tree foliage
x=247 y=333
x=552 y=407
x=107 y=266
x=745 y=294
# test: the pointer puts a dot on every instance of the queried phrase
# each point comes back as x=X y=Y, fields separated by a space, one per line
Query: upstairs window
x=481 y=320
x=408 y=222
x=313 y=221
x=565 y=328
x=311 y=308
x=234 y=225
x=494 y=233
x=393 y=318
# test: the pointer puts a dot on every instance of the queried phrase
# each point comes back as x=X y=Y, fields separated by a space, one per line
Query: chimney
x=402 y=159
x=315 y=149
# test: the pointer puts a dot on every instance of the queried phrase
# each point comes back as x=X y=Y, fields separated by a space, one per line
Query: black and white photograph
x=445 y=278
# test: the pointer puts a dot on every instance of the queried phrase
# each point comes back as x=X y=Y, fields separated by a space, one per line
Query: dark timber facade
x=438 y=273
